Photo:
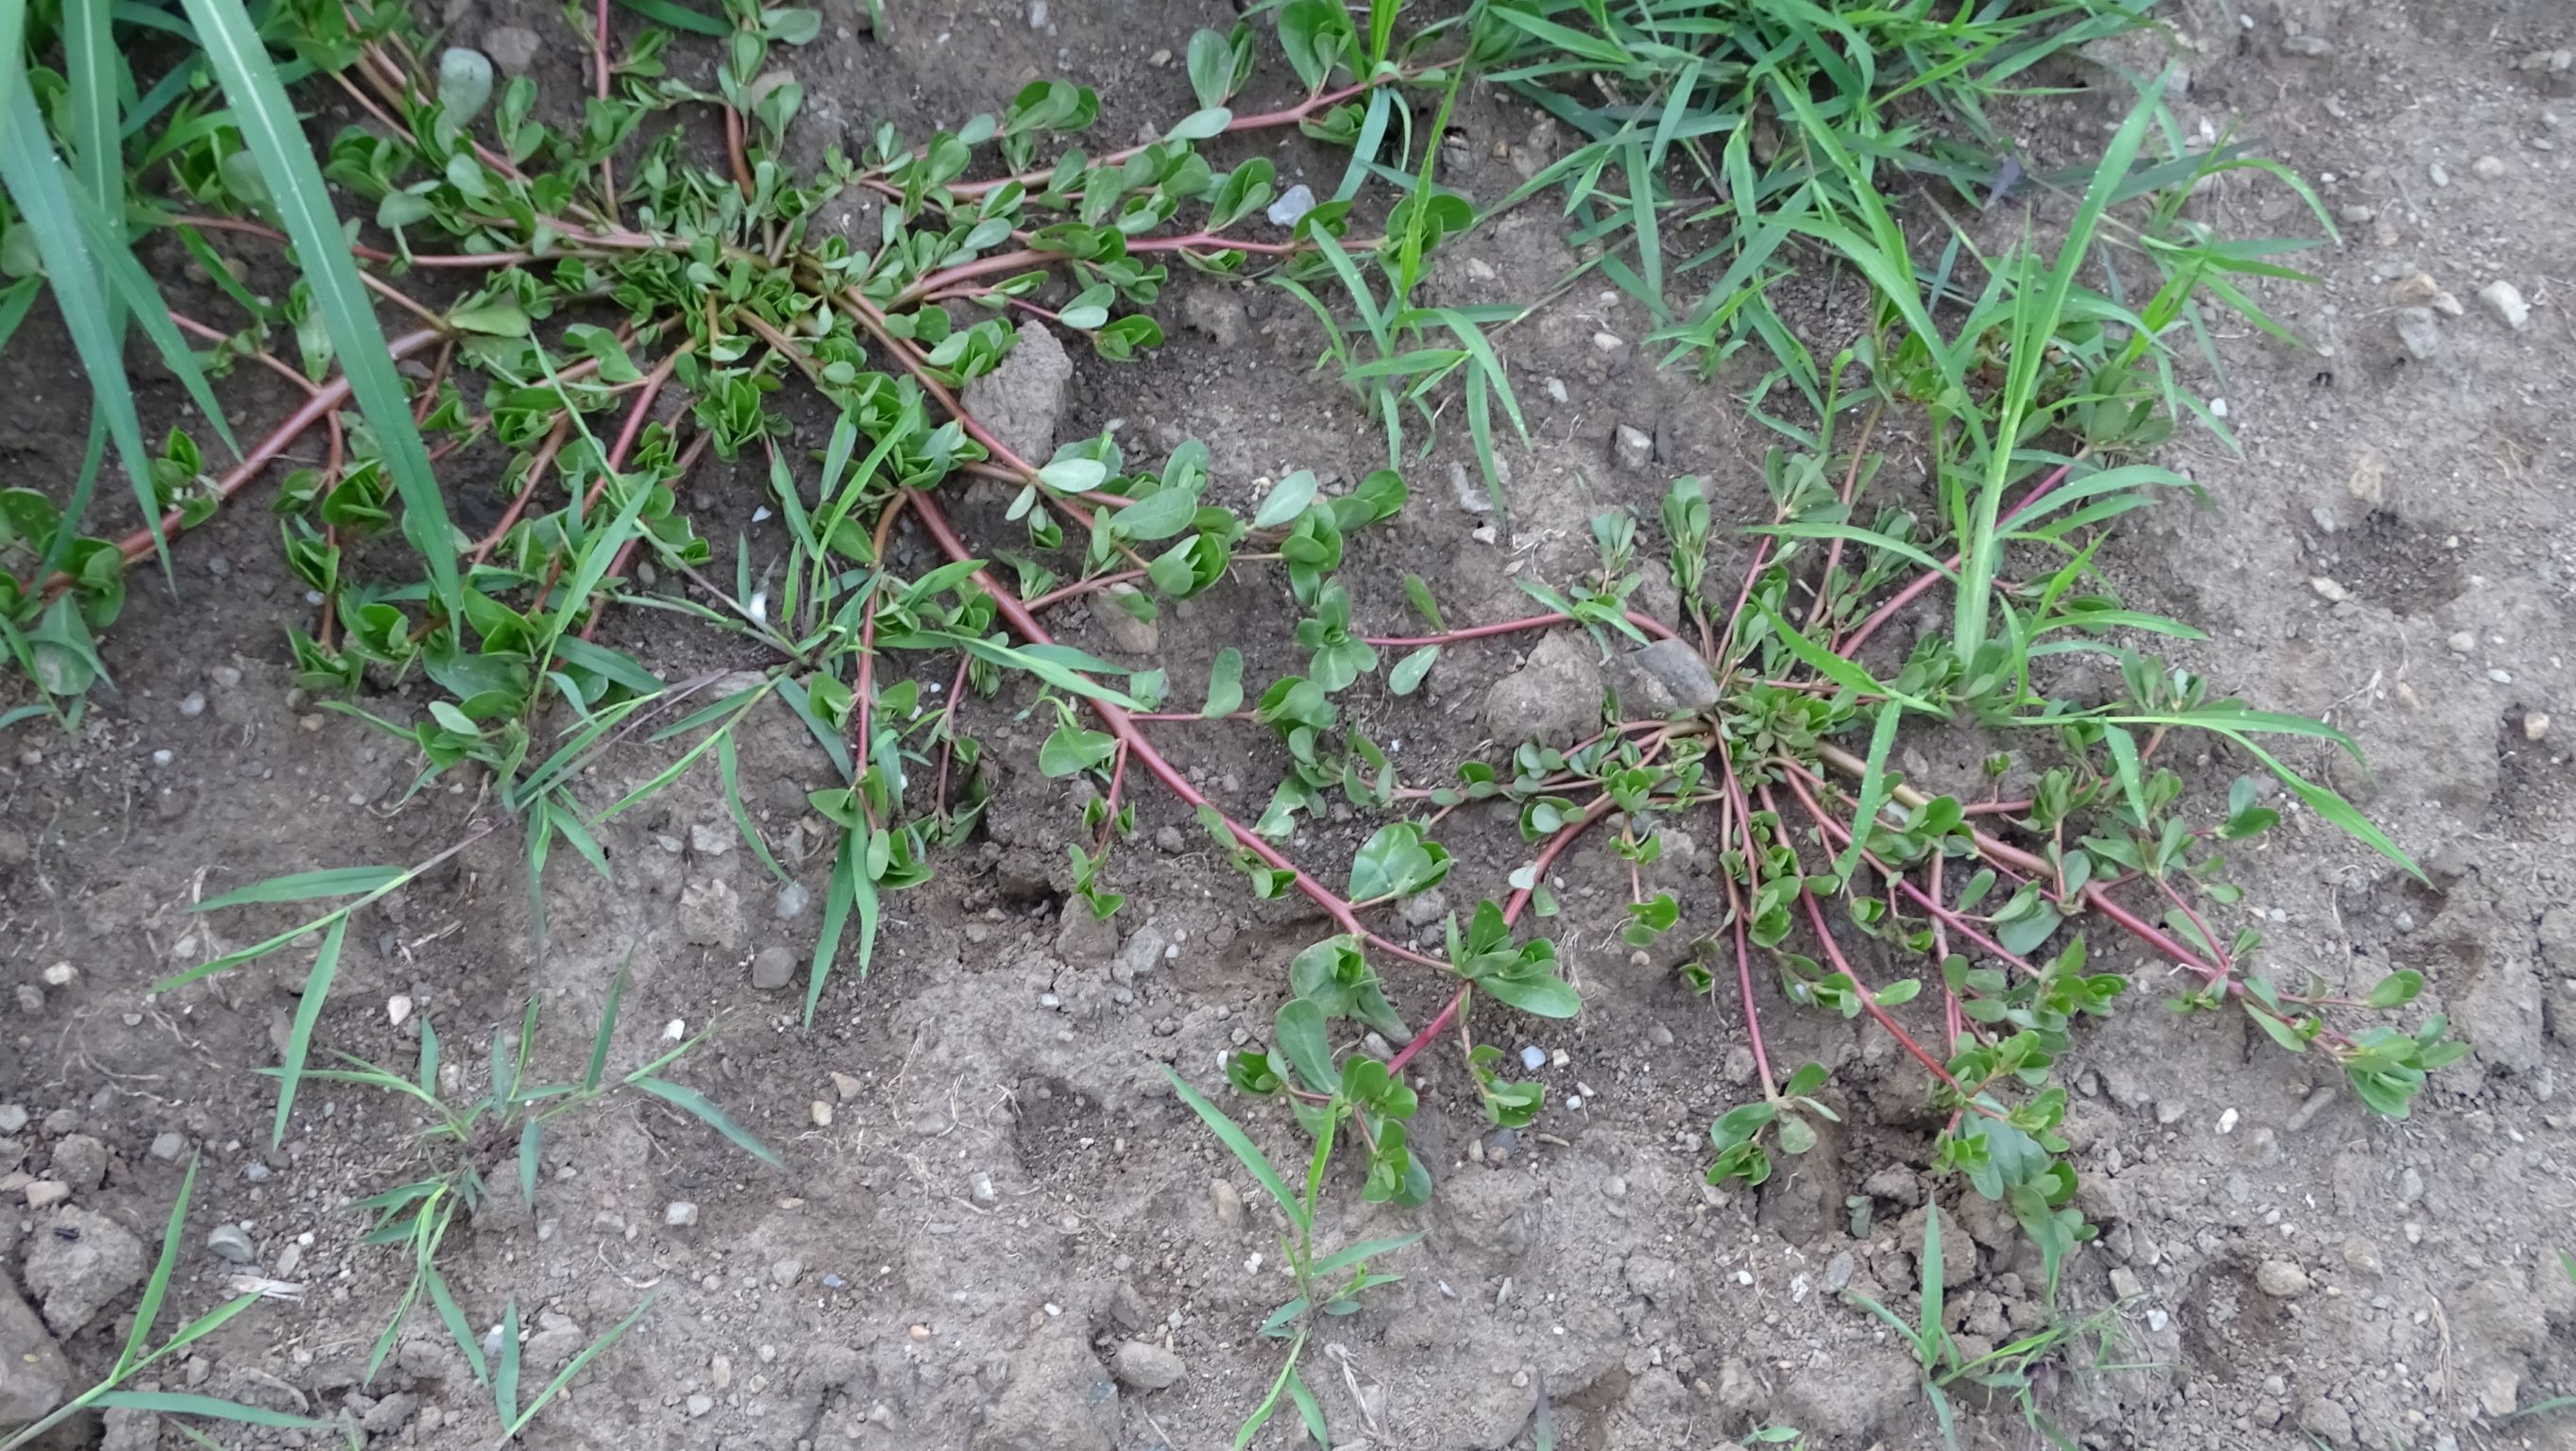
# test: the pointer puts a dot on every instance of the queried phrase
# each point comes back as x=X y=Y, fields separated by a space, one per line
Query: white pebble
x=1533 y=1058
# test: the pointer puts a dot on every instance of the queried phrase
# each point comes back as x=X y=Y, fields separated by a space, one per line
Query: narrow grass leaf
x=299 y=1040
x=1343 y=1259
x=505 y=1375
x=590 y=1073
x=727 y=772
x=1835 y=668
x=148 y=1309
x=2332 y=807
x=275 y=137
x=41 y=186
x=580 y=1363
x=184 y=1403
x=681 y=17
x=1245 y=1151
x=529 y=1138
x=306 y=887
x=443 y=1300
x=698 y=1106
x=1873 y=786
x=1307 y=1407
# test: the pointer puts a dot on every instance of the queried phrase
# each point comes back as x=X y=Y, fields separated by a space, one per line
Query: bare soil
x=2389 y=550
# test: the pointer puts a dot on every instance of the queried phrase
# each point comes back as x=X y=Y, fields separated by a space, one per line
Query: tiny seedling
x=2009 y=1370
x=469 y=1142
x=1326 y=1284
x=139 y=1353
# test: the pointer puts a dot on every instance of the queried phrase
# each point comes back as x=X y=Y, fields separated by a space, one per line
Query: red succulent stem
x=1850 y=644
x=1647 y=623
x=1122 y=726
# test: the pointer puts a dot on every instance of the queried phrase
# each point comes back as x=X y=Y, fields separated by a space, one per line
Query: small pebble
x=2488 y=168
x=820 y=1112
x=2505 y=301
x=1533 y=1058
x=193 y=704
x=61 y=974
x=785 y=1272
x=231 y=1244
x=680 y=1214
x=2535 y=725
x=169 y=1146
x=2281 y=1279
x=2463 y=642
x=700 y=1405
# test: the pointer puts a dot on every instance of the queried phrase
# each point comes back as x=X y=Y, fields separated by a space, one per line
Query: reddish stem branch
x=1850 y=644
x=1647 y=623
x=325 y=399
x=1124 y=728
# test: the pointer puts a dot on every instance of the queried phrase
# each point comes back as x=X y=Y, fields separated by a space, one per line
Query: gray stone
x=232 y=1245
x=387 y=1416
x=1146 y=1367
x=1058 y=1398
x=76 y=1277
x=1143 y=951
x=700 y=1405
x=34 y=1377
x=1663 y=678
x=1127 y=634
x=2281 y=1279
x=1634 y=448
x=792 y=900
x=1655 y=1277
x=786 y=1271
x=680 y=1214
x=711 y=915
x=1226 y=1203
x=771 y=968
x=1839 y=1270
x=81 y=1162
x=13 y=1117
x=2505 y=301
x=513 y=48
x=1554 y=698
x=2326 y=1421
x=1085 y=938
x=1021 y=401
x=130 y=1430
x=2419 y=332
x=167 y=1147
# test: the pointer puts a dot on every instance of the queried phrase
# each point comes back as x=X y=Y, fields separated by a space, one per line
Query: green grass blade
x=139 y=1339
x=697 y=1105
x=1873 y=786
x=91 y=66
x=681 y=17
x=41 y=186
x=275 y=137
x=443 y=1301
x=306 y=887
x=580 y=1363
x=1835 y=668
x=505 y=1375
x=727 y=773
x=183 y=1403
x=1233 y=1137
x=607 y=1028
x=299 y=1040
